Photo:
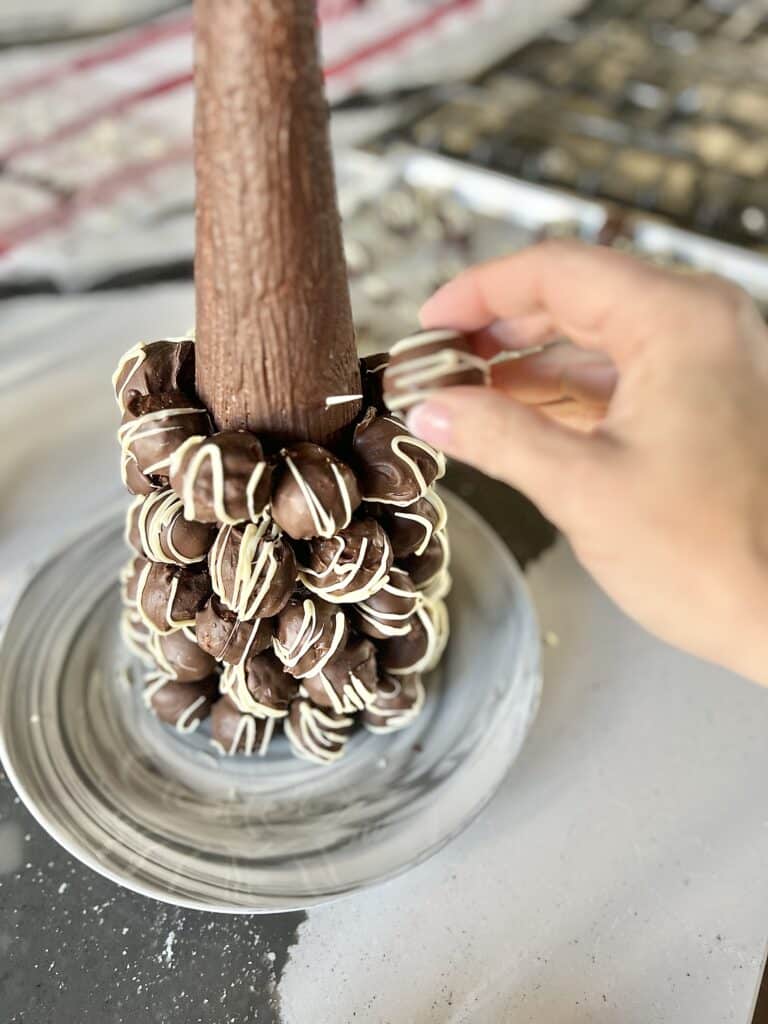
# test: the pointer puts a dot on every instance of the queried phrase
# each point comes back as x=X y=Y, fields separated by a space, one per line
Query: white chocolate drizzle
x=134 y=358
x=257 y=566
x=146 y=426
x=442 y=539
x=336 y=583
x=332 y=400
x=395 y=718
x=324 y=523
x=426 y=524
x=246 y=730
x=233 y=684
x=186 y=722
x=397 y=444
x=135 y=636
x=355 y=695
x=158 y=514
x=318 y=737
x=434 y=619
x=414 y=378
x=307 y=636
x=171 y=623
x=389 y=623
x=202 y=449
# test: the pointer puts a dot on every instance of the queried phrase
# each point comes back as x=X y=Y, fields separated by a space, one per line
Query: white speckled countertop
x=618 y=876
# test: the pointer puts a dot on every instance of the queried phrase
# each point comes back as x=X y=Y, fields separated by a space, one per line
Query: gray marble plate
x=165 y=816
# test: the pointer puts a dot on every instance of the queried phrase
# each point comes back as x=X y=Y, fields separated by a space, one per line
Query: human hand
x=656 y=464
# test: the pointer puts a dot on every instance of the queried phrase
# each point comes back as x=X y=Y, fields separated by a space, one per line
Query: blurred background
x=646 y=121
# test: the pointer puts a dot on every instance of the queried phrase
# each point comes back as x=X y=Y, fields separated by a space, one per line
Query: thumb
x=551 y=464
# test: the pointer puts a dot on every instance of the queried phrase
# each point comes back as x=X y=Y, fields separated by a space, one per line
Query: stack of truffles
x=296 y=588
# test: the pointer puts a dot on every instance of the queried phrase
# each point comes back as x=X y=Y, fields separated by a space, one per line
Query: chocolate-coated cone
x=274 y=327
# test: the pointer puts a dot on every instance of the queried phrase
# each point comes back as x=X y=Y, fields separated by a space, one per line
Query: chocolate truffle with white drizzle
x=394 y=467
x=351 y=566
x=253 y=569
x=317 y=734
x=346 y=684
x=226 y=637
x=397 y=702
x=155 y=368
x=233 y=732
x=224 y=478
x=315 y=494
x=169 y=596
x=156 y=527
x=259 y=686
x=411 y=528
x=309 y=633
x=388 y=612
x=183 y=705
x=428 y=360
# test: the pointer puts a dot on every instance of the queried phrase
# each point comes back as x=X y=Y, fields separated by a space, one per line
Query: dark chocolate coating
x=165 y=366
x=172 y=700
x=135 y=481
x=152 y=438
x=314 y=465
x=229 y=724
x=402 y=653
x=397 y=701
x=163 y=608
x=389 y=609
x=407 y=535
x=407 y=379
x=384 y=474
x=276 y=573
x=304 y=640
x=333 y=569
x=316 y=734
x=424 y=568
x=179 y=657
x=225 y=637
x=372 y=376
x=129 y=580
x=268 y=683
x=350 y=675
x=168 y=536
x=240 y=493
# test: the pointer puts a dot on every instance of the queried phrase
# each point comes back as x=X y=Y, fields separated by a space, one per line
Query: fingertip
x=431 y=421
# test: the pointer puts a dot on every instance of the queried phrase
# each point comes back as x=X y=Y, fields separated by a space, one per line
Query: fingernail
x=431 y=422
x=591 y=380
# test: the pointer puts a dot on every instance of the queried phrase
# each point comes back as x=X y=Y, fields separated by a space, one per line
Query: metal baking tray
x=413 y=219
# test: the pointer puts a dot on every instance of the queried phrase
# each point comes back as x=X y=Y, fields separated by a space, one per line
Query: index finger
x=598 y=297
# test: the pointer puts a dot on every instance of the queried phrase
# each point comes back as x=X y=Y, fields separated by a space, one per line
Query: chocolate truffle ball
x=224 y=478
x=155 y=526
x=177 y=656
x=394 y=467
x=372 y=377
x=429 y=360
x=396 y=703
x=317 y=734
x=411 y=528
x=351 y=566
x=137 y=636
x=129 y=580
x=420 y=649
x=309 y=633
x=253 y=569
x=232 y=732
x=227 y=638
x=315 y=494
x=260 y=686
x=388 y=612
x=425 y=568
x=154 y=426
x=133 y=479
x=346 y=684
x=183 y=705
x=169 y=596
x=154 y=368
